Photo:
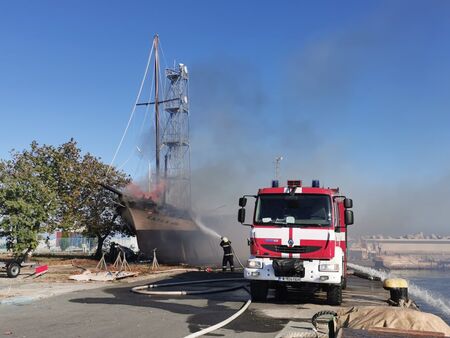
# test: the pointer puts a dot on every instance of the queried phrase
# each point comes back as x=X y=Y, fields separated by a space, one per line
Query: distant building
x=412 y=246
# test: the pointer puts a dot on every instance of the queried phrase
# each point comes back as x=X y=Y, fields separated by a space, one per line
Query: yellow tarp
x=365 y=317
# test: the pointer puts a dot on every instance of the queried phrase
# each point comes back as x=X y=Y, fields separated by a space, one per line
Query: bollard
x=398 y=288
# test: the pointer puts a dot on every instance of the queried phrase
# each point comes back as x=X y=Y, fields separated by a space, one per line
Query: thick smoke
x=238 y=127
x=308 y=115
x=236 y=134
x=377 y=154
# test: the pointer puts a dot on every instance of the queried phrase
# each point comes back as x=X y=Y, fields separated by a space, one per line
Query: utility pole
x=277 y=161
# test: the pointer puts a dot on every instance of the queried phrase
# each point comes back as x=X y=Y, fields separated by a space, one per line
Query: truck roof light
x=294 y=183
x=315 y=184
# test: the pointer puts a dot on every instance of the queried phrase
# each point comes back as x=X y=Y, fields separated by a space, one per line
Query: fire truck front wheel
x=334 y=295
x=258 y=290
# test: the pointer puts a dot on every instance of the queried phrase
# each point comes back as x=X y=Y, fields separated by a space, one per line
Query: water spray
x=203 y=227
x=432 y=298
x=212 y=233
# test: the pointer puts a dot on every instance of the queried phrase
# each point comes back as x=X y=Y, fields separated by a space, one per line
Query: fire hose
x=146 y=290
x=142 y=289
x=239 y=261
x=149 y=290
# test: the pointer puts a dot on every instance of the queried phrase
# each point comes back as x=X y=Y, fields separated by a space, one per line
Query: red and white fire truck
x=298 y=235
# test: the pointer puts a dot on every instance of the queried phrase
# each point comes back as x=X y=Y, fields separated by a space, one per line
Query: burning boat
x=161 y=218
x=170 y=231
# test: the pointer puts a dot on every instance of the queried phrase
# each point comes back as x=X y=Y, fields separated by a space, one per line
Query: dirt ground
x=25 y=288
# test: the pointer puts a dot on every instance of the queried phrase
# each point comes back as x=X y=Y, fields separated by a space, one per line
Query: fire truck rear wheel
x=334 y=295
x=259 y=290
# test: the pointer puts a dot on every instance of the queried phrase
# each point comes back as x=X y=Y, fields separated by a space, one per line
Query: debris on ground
x=102 y=276
x=38 y=271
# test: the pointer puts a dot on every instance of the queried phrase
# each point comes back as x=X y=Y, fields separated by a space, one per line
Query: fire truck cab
x=298 y=235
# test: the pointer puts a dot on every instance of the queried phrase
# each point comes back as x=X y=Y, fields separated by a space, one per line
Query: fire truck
x=298 y=238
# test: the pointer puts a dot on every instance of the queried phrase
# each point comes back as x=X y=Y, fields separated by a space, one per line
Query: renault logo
x=291 y=242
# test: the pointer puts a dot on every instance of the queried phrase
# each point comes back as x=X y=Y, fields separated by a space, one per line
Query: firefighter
x=227 y=254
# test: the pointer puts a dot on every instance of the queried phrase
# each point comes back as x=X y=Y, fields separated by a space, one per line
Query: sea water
x=432 y=288
x=428 y=288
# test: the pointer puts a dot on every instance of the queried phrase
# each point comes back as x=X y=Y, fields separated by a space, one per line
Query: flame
x=155 y=194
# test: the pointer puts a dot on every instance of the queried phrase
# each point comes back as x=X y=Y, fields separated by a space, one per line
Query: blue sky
x=354 y=91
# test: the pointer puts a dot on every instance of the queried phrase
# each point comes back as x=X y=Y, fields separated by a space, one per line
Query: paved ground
x=114 y=311
x=24 y=289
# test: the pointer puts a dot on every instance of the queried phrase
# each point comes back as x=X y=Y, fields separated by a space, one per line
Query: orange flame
x=155 y=194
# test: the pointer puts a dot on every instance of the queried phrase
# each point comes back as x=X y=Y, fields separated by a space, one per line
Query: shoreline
x=427 y=287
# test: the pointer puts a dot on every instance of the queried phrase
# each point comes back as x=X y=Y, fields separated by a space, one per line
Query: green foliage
x=99 y=209
x=47 y=188
x=28 y=201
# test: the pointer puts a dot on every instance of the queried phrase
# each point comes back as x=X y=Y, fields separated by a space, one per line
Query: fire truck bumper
x=315 y=271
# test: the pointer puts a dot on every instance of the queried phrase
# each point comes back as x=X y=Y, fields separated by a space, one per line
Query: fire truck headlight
x=255 y=264
x=329 y=267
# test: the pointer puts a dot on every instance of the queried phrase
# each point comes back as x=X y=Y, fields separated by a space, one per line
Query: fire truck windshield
x=296 y=210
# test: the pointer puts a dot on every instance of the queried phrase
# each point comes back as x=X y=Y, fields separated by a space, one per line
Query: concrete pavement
x=114 y=311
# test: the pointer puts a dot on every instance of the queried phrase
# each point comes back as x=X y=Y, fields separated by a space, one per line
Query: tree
x=100 y=214
x=67 y=173
x=48 y=188
x=28 y=201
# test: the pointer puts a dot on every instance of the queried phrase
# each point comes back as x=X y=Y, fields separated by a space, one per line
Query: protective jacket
x=226 y=248
x=227 y=255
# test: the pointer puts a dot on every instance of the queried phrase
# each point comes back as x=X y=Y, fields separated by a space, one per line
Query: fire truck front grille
x=291 y=249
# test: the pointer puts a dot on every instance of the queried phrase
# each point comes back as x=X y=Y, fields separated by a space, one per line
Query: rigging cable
x=132 y=111
x=146 y=111
x=141 y=130
x=165 y=66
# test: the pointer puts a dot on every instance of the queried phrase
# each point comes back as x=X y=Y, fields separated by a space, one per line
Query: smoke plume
x=239 y=127
x=332 y=118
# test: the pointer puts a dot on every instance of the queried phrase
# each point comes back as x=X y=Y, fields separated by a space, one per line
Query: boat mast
x=157 y=143
x=173 y=139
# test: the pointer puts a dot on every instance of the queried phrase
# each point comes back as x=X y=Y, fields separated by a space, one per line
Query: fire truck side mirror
x=348 y=203
x=241 y=215
x=242 y=202
x=348 y=217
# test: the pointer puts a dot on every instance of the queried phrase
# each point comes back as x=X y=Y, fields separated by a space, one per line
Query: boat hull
x=173 y=247
x=173 y=233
